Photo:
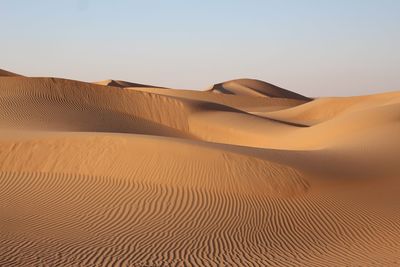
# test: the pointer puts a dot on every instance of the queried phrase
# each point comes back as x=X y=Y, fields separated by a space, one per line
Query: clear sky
x=318 y=48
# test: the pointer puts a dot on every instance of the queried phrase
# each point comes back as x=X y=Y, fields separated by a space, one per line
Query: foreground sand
x=243 y=174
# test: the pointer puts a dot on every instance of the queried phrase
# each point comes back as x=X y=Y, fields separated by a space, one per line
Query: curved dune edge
x=255 y=88
x=108 y=175
x=324 y=109
x=135 y=155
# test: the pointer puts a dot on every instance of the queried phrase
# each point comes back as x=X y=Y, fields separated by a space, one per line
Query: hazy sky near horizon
x=317 y=48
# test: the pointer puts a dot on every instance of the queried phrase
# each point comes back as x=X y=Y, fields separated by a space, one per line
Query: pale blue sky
x=317 y=48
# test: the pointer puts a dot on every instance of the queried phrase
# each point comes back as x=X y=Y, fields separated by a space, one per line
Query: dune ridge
x=122 y=84
x=244 y=174
x=4 y=73
x=255 y=88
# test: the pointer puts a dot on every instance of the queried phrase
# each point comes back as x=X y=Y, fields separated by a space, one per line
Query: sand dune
x=249 y=104
x=316 y=111
x=121 y=84
x=4 y=73
x=254 y=88
x=247 y=175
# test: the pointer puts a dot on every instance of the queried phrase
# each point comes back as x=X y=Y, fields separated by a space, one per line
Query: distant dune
x=255 y=88
x=246 y=173
x=122 y=84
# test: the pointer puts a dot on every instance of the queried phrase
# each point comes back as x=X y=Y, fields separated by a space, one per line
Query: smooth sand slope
x=4 y=73
x=244 y=174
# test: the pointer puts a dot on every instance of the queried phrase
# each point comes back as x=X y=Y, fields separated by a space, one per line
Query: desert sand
x=245 y=173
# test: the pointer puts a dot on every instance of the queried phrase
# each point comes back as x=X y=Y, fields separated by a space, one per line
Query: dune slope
x=4 y=73
x=100 y=175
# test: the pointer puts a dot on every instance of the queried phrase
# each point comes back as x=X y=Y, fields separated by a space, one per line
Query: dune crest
x=244 y=174
x=255 y=88
x=122 y=84
x=4 y=73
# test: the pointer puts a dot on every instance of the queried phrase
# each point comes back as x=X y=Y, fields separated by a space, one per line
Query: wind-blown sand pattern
x=243 y=174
